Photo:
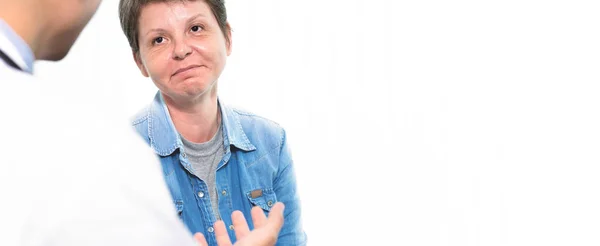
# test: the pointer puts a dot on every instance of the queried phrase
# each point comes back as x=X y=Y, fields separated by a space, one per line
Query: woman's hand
x=265 y=230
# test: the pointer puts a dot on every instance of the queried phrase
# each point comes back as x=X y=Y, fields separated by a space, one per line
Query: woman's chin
x=196 y=91
x=189 y=89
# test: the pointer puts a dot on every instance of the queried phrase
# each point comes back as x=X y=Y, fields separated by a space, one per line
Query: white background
x=411 y=122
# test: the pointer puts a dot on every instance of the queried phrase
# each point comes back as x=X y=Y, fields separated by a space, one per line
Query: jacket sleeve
x=286 y=191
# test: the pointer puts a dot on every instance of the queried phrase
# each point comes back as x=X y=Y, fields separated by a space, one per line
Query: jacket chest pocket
x=263 y=198
x=257 y=182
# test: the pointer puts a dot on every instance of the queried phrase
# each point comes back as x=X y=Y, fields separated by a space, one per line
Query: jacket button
x=200 y=194
x=270 y=203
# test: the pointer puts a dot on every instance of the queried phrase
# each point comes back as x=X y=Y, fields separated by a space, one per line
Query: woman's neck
x=197 y=122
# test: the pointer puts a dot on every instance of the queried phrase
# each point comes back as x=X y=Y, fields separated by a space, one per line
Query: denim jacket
x=256 y=170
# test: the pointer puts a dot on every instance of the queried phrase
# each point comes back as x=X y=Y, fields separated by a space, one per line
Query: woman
x=215 y=159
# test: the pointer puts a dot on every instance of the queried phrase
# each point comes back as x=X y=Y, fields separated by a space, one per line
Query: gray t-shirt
x=205 y=158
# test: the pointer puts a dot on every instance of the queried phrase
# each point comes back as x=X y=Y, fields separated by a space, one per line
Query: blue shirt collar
x=164 y=138
x=21 y=46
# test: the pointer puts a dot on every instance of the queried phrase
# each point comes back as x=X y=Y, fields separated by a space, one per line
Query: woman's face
x=182 y=48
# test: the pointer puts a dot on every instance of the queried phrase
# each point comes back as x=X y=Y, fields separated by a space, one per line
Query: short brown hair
x=129 y=13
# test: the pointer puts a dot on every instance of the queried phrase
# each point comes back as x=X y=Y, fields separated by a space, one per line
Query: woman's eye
x=196 y=28
x=158 y=40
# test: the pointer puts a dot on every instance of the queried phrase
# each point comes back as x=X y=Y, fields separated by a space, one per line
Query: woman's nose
x=181 y=50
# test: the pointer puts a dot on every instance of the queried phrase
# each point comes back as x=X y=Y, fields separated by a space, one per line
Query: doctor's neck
x=29 y=19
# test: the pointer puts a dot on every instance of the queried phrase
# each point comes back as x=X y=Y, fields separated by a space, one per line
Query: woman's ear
x=228 y=40
x=139 y=63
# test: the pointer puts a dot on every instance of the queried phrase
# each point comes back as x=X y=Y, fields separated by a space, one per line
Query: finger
x=200 y=239
x=239 y=225
x=269 y=229
x=258 y=217
x=275 y=220
x=221 y=234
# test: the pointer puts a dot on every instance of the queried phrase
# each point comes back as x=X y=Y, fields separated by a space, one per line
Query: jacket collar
x=164 y=138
